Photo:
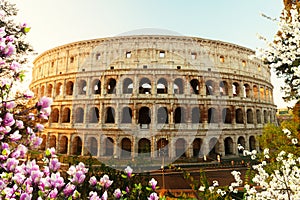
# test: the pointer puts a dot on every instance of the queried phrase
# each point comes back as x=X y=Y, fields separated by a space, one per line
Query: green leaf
x=123 y=176
x=26 y=29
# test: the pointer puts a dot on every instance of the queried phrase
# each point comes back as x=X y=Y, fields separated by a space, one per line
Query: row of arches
x=125 y=148
x=163 y=115
x=162 y=86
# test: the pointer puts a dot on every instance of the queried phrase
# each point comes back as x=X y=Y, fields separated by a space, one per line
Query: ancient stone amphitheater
x=153 y=96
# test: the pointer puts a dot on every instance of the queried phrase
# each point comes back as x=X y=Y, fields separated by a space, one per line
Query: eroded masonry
x=153 y=96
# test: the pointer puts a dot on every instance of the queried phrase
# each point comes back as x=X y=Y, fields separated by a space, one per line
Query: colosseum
x=153 y=96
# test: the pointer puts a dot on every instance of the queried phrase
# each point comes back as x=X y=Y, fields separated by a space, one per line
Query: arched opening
x=109 y=147
x=255 y=92
x=96 y=86
x=144 y=117
x=179 y=116
x=212 y=115
x=58 y=89
x=54 y=115
x=197 y=143
x=63 y=145
x=162 y=147
x=79 y=115
x=127 y=86
x=126 y=115
x=69 y=88
x=242 y=142
x=126 y=148
x=178 y=86
x=111 y=86
x=92 y=146
x=144 y=147
x=145 y=86
x=252 y=143
x=228 y=144
x=246 y=90
x=223 y=88
x=82 y=87
x=162 y=86
x=66 y=115
x=49 y=90
x=43 y=144
x=110 y=115
x=265 y=117
x=262 y=93
x=180 y=146
x=77 y=146
x=249 y=116
x=94 y=115
x=226 y=116
x=162 y=115
x=258 y=116
x=196 y=115
x=195 y=84
x=236 y=89
x=239 y=119
x=42 y=91
x=52 y=141
x=267 y=95
x=209 y=87
x=212 y=147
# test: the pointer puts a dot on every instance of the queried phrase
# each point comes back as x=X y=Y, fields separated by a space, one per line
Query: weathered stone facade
x=155 y=96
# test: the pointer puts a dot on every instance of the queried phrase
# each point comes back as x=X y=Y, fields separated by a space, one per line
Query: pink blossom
x=117 y=193
x=104 y=196
x=78 y=178
x=28 y=94
x=93 y=181
x=93 y=196
x=69 y=189
x=54 y=164
x=128 y=170
x=105 y=182
x=44 y=102
x=153 y=196
x=53 y=194
x=8 y=119
x=153 y=183
x=15 y=136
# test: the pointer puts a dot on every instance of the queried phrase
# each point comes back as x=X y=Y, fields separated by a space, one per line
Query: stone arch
x=262 y=93
x=79 y=117
x=212 y=115
x=249 y=116
x=239 y=118
x=162 y=86
x=196 y=115
x=197 y=144
x=69 y=88
x=255 y=91
x=145 y=86
x=92 y=146
x=109 y=146
x=144 y=115
x=162 y=115
x=223 y=88
x=96 y=86
x=195 y=84
x=228 y=144
x=265 y=117
x=226 y=116
x=63 y=145
x=252 y=143
x=58 y=89
x=52 y=141
x=66 y=115
x=42 y=90
x=247 y=90
x=127 y=86
x=258 y=116
x=49 y=90
x=77 y=146
x=94 y=115
x=236 y=90
x=210 y=87
x=242 y=142
x=54 y=115
x=44 y=142
x=110 y=115
x=82 y=87
x=178 y=86
x=126 y=115
x=144 y=147
x=162 y=147
x=180 y=147
x=126 y=148
x=179 y=116
x=213 y=147
x=111 y=86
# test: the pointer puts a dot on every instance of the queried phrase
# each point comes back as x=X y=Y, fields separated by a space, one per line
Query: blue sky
x=57 y=22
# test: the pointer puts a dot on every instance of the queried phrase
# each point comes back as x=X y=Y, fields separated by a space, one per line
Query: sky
x=58 y=22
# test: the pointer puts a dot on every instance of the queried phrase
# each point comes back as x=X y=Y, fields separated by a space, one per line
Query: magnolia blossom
x=153 y=196
x=117 y=193
x=153 y=183
x=105 y=182
x=128 y=170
